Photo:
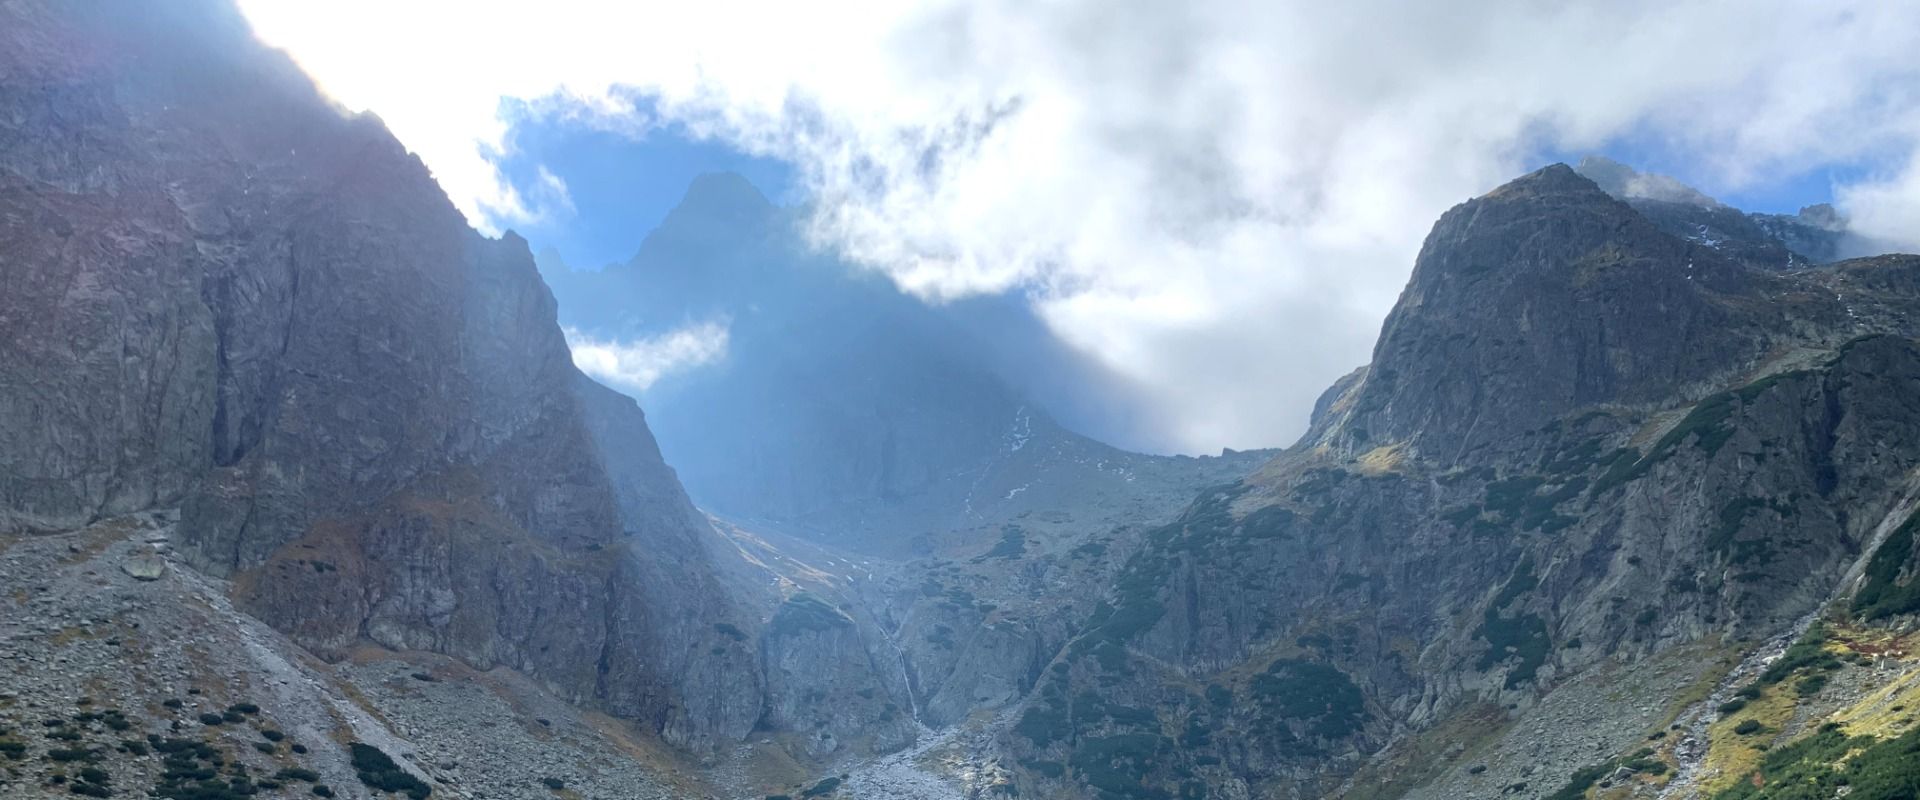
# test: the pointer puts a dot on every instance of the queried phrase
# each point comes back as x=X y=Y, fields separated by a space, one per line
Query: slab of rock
x=144 y=567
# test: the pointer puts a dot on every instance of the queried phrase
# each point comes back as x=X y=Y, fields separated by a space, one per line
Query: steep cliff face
x=225 y=295
x=1583 y=443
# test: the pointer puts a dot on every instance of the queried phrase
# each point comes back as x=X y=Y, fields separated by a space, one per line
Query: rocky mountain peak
x=716 y=206
x=1544 y=295
x=711 y=192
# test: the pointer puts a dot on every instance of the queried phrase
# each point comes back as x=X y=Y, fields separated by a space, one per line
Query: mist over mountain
x=1818 y=234
x=830 y=399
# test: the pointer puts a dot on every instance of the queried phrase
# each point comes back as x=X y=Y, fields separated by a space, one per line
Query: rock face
x=1583 y=442
x=1545 y=296
x=224 y=294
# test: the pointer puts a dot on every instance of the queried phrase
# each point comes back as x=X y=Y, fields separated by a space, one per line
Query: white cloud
x=636 y=365
x=1219 y=199
x=1886 y=207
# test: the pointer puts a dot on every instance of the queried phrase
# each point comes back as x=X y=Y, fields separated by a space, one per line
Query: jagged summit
x=719 y=201
x=709 y=191
x=1555 y=295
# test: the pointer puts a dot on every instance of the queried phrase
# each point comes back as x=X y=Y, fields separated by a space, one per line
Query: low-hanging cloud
x=1217 y=199
x=635 y=365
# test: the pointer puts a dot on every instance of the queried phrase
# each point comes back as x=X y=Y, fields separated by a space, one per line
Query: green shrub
x=1523 y=636
x=825 y=787
x=211 y=718
x=1049 y=769
x=1581 y=780
x=1012 y=544
x=322 y=790
x=1829 y=762
x=1044 y=724
x=1748 y=728
x=1809 y=652
x=298 y=774
x=554 y=784
x=1306 y=691
x=1732 y=706
x=1120 y=765
x=805 y=612
x=377 y=770
x=1881 y=594
x=68 y=754
x=1811 y=685
x=1645 y=765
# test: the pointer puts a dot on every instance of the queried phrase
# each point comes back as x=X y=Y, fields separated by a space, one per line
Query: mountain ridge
x=1458 y=552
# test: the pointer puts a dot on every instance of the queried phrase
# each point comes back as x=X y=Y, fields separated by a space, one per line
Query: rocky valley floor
x=122 y=670
x=125 y=673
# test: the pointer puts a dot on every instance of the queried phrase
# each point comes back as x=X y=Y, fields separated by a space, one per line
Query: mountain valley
x=303 y=494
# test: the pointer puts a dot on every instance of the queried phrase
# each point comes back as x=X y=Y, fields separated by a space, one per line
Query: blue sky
x=621 y=187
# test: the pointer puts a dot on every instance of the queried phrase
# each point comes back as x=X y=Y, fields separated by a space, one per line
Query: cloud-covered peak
x=724 y=193
x=1628 y=183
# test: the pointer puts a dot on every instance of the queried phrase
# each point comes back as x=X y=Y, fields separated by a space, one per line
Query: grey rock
x=144 y=566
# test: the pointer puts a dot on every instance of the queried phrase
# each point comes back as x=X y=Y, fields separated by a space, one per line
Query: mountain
x=265 y=389
x=258 y=369
x=301 y=494
x=1596 y=477
x=847 y=411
